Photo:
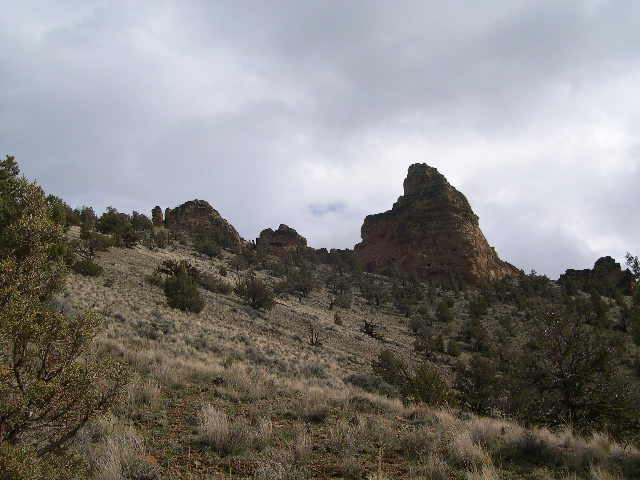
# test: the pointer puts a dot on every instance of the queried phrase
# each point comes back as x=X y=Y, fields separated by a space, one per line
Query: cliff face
x=432 y=232
x=282 y=242
x=197 y=217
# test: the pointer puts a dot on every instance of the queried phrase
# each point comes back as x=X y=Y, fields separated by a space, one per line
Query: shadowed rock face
x=197 y=217
x=282 y=242
x=606 y=277
x=431 y=232
x=156 y=216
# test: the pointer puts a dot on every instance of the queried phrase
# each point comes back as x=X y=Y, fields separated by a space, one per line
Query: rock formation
x=431 y=232
x=606 y=277
x=198 y=218
x=282 y=242
x=156 y=216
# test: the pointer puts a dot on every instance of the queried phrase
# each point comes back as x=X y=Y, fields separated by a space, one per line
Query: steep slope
x=432 y=232
x=236 y=393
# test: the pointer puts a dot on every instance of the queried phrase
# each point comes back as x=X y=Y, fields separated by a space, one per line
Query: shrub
x=158 y=325
x=23 y=463
x=160 y=237
x=95 y=242
x=127 y=239
x=298 y=281
x=420 y=323
x=424 y=384
x=113 y=221
x=255 y=292
x=392 y=370
x=443 y=312
x=207 y=247
x=87 y=268
x=50 y=382
x=173 y=268
x=182 y=293
x=155 y=279
x=428 y=385
x=226 y=436
x=140 y=222
x=343 y=300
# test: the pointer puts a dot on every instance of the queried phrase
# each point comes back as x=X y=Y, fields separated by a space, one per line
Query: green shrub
x=255 y=292
x=155 y=279
x=51 y=382
x=160 y=237
x=392 y=370
x=173 y=268
x=423 y=384
x=23 y=463
x=156 y=328
x=443 y=311
x=182 y=293
x=298 y=281
x=429 y=386
x=343 y=300
x=87 y=268
x=96 y=241
x=207 y=247
x=113 y=221
x=140 y=222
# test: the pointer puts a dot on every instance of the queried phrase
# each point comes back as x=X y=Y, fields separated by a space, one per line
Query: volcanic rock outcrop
x=606 y=277
x=198 y=218
x=431 y=232
x=156 y=216
x=282 y=242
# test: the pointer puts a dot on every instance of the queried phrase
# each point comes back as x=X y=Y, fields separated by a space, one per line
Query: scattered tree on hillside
x=255 y=292
x=51 y=382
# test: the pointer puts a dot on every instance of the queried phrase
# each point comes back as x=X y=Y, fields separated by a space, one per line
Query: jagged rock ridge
x=281 y=242
x=606 y=277
x=431 y=232
x=198 y=218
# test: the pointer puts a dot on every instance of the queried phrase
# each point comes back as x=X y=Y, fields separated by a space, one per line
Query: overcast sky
x=309 y=112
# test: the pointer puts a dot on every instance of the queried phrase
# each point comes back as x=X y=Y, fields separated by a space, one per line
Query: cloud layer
x=309 y=113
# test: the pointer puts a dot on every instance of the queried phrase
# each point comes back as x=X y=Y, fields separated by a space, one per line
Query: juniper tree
x=51 y=382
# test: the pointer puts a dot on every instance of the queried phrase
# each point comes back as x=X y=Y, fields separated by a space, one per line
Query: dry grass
x=226 y=436
x=251 y=392
x=280 y=464
x=116 y=451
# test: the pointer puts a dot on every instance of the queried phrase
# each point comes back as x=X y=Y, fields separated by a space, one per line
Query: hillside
x=233 y=392
x=139 y=349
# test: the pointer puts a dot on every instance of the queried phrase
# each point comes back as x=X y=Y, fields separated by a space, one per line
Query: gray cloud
x=308 y=113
